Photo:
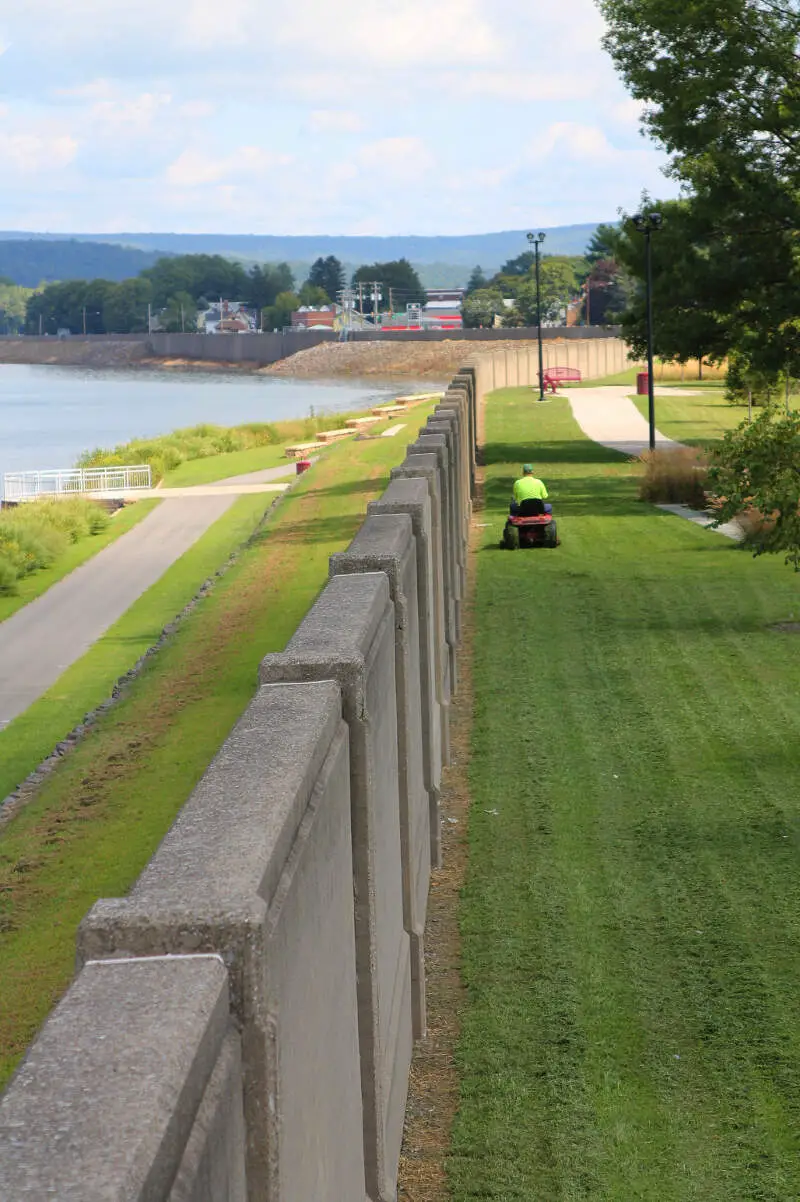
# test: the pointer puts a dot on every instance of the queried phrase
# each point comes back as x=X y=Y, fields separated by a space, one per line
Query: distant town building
x=309 y=318
x=232 y=317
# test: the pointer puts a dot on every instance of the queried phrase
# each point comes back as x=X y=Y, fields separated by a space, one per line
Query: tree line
x=174 y=290
x=598 y=287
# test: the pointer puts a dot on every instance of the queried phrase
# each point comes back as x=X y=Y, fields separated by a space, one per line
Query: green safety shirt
x=527 y=487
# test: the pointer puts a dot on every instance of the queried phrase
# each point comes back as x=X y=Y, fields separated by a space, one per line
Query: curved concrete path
x=609 y=416
x=44 y=638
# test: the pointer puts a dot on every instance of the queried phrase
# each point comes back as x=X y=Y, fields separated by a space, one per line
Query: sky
x=313 y=116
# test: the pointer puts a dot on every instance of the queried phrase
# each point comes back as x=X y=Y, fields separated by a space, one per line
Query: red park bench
x=555 y=375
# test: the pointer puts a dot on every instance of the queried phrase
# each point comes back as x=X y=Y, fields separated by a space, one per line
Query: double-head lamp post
x=645 y=223
x=536 y=241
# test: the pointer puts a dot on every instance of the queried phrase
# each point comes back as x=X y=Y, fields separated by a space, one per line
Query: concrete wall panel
x=348 y=636
x=386 y=544
x=426 y=467
x=410 y=496
x=111 y=1101
x=258 y=867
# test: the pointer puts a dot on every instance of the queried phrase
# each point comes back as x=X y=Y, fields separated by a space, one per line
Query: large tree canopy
x=401 y=284
x=327 y=274
x=720 y=83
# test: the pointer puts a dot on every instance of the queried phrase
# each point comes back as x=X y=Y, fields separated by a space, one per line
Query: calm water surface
x=49 y=415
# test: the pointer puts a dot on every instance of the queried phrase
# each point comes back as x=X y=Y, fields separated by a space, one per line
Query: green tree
x=397 y=278
x=732 y=127
x=695 y=285
x=13 y=301
x=603 y=243
x=265 y=283
x=480 y=308
x=757 y=467
x=125 y=309
x=327 y=274
x=198 y=275
x=279 y=314
x=313 y=296
x=179 y=315
x=519 y=266
x=558 y=285
x=476 y=280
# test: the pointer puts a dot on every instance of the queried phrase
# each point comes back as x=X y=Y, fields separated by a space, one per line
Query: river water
x=49 y=415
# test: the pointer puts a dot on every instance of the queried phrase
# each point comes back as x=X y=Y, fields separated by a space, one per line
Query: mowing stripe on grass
x=631 y=921
x=100 y=817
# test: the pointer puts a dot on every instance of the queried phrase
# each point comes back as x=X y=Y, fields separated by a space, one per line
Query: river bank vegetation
x=35 y=535
x=167 y=452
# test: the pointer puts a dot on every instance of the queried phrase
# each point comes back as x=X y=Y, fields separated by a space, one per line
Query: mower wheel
x=511 y=538
x=552 y=534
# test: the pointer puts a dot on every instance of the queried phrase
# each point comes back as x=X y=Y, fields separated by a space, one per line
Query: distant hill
x=35 y=260
x=451 y=257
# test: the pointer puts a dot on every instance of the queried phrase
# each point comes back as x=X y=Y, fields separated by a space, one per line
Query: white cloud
x=205 y=116
x=395 y=33
x=404 y=158
x=196 y=109
x=136 y=114
x=343 y=121
x=522 y=86
x=193 y=168
x=31 y=154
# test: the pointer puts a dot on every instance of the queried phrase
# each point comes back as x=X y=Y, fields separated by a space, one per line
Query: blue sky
x=248 y=116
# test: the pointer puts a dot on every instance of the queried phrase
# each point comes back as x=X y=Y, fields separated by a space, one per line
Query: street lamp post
x=536 y=241
x=645 y=223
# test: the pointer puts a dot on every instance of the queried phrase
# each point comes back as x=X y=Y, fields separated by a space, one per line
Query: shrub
x=677 y=476
x=33 y=536
x=8 y=577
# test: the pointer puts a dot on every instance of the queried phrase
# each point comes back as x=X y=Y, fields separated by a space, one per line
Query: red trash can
x=642 y=381
x=302 y=465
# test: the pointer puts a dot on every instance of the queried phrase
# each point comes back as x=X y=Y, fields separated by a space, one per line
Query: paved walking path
x=608 y=416
x=44 y=638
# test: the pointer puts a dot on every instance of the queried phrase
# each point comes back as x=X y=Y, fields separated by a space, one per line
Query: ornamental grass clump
x=677 y=476
x=35 y=535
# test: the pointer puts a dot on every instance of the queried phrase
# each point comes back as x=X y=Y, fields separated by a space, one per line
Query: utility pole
x=183 y=325
x=376 y=296
x=391 y=302
x=149 y=318
x=84 y=321
x=40 y=325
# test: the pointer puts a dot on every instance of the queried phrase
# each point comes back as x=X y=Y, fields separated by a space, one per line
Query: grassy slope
x=100 y=817
x=219 y=467
x=696 y=420
x=37 y=583
x=33 y=735
x=632 y=917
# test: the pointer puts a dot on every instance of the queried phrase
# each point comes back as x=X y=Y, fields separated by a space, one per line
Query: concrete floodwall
x=241 y=1025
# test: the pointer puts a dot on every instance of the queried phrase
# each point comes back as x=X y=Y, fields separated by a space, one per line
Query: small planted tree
x=756 y=471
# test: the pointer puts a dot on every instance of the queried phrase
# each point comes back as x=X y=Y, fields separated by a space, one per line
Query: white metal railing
x=27 y=486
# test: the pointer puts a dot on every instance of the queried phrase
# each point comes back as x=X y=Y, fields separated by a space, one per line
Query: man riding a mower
x=530 y=522
x=527 y=488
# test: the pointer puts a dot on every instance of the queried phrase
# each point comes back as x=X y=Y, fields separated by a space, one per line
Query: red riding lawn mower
x=532 y=526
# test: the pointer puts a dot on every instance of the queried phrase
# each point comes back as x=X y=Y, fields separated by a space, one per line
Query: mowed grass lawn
x=631 y=919
x=699 y=420
x=97 y=820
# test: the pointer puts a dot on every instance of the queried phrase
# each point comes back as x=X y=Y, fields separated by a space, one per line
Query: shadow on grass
x=610 y=496
x=574 y=450
x=318 y=529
